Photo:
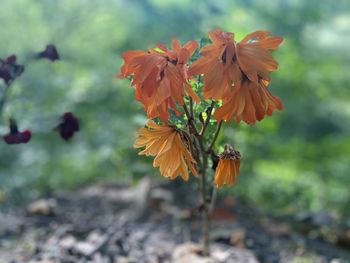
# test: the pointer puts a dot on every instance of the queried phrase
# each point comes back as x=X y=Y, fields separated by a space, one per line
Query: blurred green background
x=295 y=161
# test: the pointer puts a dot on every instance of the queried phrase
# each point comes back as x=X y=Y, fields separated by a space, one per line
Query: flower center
x=172 y=61
x=230 y=153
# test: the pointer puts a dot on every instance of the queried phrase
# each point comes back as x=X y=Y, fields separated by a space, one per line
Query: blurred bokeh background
x=296 y=161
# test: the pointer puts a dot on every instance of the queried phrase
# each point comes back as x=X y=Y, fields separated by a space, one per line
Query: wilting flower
x=160 y=76
x=9 y=69
x=15 y=136
x=249 y=103
x=238 y=74
x=68 y=126
x=228 y=167
x=49 y=53
x=166 y=143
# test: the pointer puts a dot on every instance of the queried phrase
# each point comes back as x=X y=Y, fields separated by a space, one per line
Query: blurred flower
x=228 y=167
x=238 y=74
x=68 y=126
x=9 y=69
x=15 y=136
x=166 y=143
x=50 y=53
x=160 y=76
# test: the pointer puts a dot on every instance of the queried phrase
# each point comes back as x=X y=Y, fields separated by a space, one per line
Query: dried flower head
x=228 y=167
x=168 y=145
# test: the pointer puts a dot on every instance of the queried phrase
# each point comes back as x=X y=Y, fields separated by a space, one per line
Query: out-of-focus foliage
x=297 y=160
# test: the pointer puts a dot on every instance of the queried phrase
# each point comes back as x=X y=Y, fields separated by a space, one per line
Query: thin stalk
x=204 y=127
x=190 y=120
x=215 y=137
x=191 y=107
x=195 y=131
x=205 y=213
x=213 y=199
x=197 y=148
x=203 y=155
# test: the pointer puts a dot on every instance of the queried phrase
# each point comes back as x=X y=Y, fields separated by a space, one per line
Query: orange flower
x=249 y=102
x=238 y=74
x=166 y=143
x=160 y=76
x=228 y=167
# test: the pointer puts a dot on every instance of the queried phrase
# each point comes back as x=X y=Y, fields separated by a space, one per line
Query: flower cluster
x=10 y=70
x=160 y=77
x=235 y=74
x=238 y=74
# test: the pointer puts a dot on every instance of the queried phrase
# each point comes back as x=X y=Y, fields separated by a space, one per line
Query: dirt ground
x=150 y=223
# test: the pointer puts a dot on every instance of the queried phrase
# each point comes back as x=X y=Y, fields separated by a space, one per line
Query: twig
x=191 y=107
x=215 y=137
x=190 y=120
x=190 y=144
x=213 y=199
x=204 y=127
x=196 y=146
x=206 y=218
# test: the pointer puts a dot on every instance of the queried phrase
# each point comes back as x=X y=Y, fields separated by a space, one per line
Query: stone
x=44 y=207
x=219 y=253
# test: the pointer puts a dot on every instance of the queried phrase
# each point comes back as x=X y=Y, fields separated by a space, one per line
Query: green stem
x=202 y=156
x=215 y=137
x=191 y=107
x=190 y=120
x=204 y=127
x=205 y=208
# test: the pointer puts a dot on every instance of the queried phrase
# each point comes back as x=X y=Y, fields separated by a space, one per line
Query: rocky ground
x=153 y=223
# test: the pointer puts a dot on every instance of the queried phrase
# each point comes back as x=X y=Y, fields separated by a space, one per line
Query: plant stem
x=202 y=157
x=213 y=199
x=210 y=110
x=191 y=107
x=215 y=137
x=205 y=208
x=190 y=120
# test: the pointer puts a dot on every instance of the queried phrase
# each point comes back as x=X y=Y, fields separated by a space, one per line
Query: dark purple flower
x=50 y=53
x=9 y=69
x=68 y=126
x=15 y=136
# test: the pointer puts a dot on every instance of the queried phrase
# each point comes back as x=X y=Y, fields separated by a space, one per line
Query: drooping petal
x=171 y=153
x=128 y=68
x=228 y=167
x=238 y=75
